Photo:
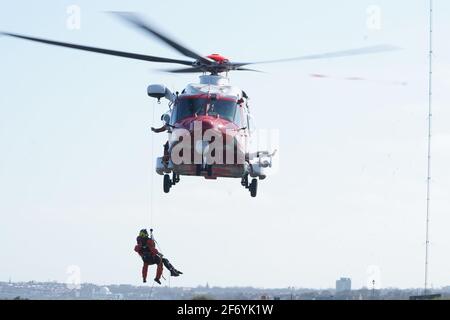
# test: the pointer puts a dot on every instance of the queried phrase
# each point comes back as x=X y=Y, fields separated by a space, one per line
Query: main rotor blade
x=139 y=23
x=357 y=78
x=100 y=50
x=186 y=70
x=206 y=69
x=328 y=55
x=247 y=69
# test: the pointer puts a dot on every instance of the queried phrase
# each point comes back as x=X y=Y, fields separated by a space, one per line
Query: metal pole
x=430 y=115
x=373 y=289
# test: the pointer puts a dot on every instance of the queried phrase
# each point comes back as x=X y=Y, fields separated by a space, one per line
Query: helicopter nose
x=204 y=124
x=208 y=124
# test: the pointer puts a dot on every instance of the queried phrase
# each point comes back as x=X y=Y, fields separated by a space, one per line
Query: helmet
x=143 y=233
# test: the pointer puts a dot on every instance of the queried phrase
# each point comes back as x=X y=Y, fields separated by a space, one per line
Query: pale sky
x=76 y=173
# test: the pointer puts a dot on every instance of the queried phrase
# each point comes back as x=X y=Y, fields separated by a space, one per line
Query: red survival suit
x=146 y=249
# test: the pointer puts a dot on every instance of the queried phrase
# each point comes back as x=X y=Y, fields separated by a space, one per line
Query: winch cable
x=151 y=171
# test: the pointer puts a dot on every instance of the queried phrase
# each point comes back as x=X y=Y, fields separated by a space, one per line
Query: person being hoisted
x=145 y=247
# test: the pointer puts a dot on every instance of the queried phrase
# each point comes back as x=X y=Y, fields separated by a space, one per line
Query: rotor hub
x=218 y=58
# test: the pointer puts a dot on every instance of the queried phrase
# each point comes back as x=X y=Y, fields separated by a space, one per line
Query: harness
x=144 y=246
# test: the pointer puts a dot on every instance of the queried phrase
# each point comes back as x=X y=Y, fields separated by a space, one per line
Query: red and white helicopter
x=209 y=123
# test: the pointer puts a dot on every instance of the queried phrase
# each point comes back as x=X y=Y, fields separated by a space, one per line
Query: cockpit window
x=225 y=109
x=191 y=106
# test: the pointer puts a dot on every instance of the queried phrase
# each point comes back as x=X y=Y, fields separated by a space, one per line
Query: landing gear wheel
x=175 y=178
x=244 y=181
x=253 y=187
x=167 y=183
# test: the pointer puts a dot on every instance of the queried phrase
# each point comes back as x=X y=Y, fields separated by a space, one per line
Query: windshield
x=189 y=107
x=221 y=108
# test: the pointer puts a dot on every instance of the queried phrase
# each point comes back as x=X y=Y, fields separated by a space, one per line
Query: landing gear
x=253 y=187
x=167 y=183
x=244 y=181
x=175 y=178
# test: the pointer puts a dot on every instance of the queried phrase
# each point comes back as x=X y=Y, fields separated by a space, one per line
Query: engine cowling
x=159 y=91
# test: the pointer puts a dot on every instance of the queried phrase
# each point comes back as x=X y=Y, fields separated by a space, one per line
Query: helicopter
x=209 y=123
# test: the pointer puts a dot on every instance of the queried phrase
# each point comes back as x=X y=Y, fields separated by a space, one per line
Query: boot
x=157 y=281
x=175 y=273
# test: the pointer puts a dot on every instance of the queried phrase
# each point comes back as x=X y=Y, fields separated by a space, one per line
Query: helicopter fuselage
x=209 y=131
x=210 y=134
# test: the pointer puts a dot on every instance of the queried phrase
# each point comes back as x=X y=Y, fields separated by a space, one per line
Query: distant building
x=446 y=289
x=105 y=294
x=343 y=284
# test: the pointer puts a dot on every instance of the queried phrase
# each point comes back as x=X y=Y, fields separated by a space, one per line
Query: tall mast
x=430 y=115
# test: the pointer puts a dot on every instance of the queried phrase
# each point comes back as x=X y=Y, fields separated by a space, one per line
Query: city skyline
x=77 y=174
x=88 y=291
